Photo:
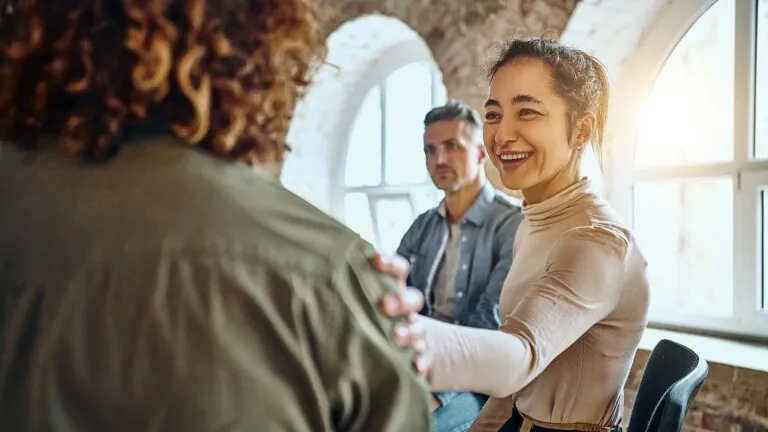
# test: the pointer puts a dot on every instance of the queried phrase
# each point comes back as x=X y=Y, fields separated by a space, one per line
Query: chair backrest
x=671 y=379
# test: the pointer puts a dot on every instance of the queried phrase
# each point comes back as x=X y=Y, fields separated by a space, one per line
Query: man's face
x=454 y=159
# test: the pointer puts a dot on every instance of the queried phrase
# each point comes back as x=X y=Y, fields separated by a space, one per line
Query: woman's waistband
x=522 y=423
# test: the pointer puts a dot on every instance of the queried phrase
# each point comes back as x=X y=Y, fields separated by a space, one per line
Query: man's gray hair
x=455 y=110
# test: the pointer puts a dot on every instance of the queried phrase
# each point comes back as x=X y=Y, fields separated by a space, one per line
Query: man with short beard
x=461 y=251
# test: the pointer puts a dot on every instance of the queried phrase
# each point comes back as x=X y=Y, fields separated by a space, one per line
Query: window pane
x=393 y=216
x=363 y=166
x=357 y=215
x=688 y=118
x=685 y=230
x=761 y=97
x=408 y=98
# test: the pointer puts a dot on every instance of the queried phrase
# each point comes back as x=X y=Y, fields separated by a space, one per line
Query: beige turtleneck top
x=575 y=304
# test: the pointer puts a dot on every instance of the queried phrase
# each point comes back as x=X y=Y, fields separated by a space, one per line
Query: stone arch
x=460 y=34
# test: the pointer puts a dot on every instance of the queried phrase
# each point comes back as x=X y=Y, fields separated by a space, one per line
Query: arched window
x=385 y=179
x=700 y=175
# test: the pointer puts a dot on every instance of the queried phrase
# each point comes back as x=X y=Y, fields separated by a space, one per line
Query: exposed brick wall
x=732 y=399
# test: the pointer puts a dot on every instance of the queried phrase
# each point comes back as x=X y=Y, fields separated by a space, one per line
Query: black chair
x=670 y=381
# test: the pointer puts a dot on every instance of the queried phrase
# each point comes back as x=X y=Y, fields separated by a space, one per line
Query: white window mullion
x=744 y=84
x=748 y=254
x=383 y=102
x=374 y=220
x=387 y=190
x=685 y=172
x=748 y=212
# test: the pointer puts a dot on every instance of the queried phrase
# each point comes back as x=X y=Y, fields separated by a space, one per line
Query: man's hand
x=405 y=302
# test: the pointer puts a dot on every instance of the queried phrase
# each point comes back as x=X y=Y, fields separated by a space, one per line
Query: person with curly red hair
x=153 y=279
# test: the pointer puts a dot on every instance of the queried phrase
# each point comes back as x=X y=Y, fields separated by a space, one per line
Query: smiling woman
x=549 y=122
x=575 y=300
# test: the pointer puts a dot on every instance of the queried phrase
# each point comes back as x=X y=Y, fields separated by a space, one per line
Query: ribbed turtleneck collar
x=571 y=200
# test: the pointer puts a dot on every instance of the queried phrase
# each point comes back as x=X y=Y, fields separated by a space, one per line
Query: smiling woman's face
x=526 y=131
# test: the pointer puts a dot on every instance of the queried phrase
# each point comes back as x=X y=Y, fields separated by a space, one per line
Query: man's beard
x=451 y=186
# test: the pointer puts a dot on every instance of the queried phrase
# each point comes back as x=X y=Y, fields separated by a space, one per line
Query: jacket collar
x=480 y=208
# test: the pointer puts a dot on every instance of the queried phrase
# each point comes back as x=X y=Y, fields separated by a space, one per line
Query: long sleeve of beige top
x=580 y=287
x=571 y=325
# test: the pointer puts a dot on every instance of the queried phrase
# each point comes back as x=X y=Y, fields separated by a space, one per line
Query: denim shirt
x=488 y=235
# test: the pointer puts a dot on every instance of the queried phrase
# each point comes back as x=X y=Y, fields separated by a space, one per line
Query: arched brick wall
x=460 y=33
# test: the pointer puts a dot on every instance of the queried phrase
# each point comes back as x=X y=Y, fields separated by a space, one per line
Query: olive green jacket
x=168 y=290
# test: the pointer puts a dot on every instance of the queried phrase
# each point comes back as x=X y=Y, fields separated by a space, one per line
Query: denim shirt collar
x=480 y=208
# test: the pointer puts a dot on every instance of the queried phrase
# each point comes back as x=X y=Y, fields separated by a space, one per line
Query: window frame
x=748 y=173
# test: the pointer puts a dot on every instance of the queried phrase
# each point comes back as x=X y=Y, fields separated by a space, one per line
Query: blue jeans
x=457 y=411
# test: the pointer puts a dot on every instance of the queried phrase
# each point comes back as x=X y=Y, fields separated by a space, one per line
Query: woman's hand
x=405 y=302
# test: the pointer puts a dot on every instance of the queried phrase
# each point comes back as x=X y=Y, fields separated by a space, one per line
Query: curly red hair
x=224 y=75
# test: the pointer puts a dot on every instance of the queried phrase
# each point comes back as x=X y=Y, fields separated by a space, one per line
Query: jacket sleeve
x=372 y=385
x=487 y=312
